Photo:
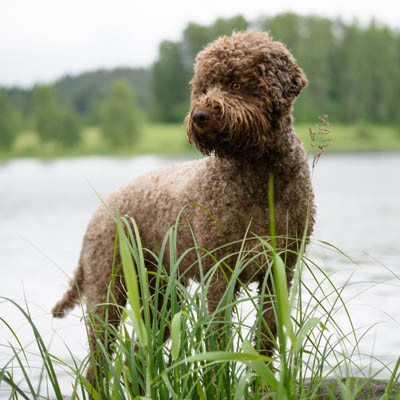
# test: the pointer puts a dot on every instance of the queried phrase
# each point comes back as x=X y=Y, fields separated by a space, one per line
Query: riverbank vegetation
x=170 y=140
x=215 y=355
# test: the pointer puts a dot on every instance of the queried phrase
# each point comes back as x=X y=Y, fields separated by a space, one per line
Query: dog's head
x=243 y=87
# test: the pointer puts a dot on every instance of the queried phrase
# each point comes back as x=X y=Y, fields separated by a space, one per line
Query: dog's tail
x=71 y=296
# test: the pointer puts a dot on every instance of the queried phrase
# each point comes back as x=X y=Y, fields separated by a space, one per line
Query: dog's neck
x=274 y=161
x=284 y=160
x=281 y=156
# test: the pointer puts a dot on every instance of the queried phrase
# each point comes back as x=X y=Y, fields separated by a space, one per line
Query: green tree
x=287 y=28
x=54 y=123
x=119 y=116
x=170 y=84
x=88 y=89
x=8 y=122
x=225 y=26
x=383 y=73
x=196 y=36
x=69 y=127
x=45 y=113
x=316 y=56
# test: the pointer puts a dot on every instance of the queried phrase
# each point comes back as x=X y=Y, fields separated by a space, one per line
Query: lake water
x=45 y=207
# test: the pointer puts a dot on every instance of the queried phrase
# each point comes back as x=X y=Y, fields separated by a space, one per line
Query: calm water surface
x=45 y=207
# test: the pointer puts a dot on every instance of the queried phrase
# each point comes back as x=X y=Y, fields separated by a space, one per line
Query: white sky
x=41 y=40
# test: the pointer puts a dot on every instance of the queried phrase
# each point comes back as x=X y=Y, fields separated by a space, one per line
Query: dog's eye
x=235 y=85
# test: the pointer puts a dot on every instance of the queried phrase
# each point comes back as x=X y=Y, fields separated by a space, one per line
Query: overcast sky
x=41 y=40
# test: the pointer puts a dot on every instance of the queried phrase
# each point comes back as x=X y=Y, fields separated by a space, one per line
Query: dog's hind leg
x=104 y=317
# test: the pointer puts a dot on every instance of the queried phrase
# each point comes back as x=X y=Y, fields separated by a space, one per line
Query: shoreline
x=170 y=140
x=183 y=155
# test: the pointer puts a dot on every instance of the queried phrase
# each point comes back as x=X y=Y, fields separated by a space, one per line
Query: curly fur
x=244 y=87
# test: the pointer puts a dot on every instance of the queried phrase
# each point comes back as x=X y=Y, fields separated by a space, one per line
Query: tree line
x=60 y=123
x=353 y=69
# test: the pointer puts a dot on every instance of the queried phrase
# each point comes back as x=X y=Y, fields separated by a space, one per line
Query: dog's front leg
x=266 y=337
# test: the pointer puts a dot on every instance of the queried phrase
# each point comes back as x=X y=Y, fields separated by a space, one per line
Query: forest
x=353 y=70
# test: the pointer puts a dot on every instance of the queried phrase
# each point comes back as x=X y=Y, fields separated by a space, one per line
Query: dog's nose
x=201 y=117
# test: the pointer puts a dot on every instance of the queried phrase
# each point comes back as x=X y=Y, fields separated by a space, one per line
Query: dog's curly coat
x=244 y=87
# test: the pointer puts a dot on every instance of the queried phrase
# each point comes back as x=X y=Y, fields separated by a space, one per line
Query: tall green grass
x=210 y=356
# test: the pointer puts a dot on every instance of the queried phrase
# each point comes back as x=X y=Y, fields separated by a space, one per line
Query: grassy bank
x=211 y=356
x=170 y=140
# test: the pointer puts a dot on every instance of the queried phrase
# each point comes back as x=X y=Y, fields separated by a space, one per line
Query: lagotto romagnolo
x=240 y=117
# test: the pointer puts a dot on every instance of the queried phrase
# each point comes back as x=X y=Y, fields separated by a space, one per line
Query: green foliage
x=354 y=71
x=89 y=89
x=86 y=91
x=196 y=37
x=119 y=116
x=53 y=122
x=368 y=85
x=69 y=127
x=8 y=122
x=21 y=99
x=45 y=113
x=170 y=84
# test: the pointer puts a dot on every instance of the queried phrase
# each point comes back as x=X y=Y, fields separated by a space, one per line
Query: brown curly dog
x=244 y=87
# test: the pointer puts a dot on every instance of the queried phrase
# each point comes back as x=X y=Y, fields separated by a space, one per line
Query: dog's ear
x=293 y=80
x=283 y=77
